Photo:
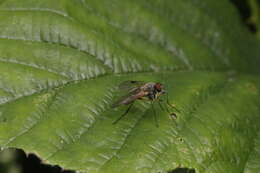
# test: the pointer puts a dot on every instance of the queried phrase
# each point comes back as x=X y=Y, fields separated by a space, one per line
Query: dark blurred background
x=16 y=161
x=249 y=11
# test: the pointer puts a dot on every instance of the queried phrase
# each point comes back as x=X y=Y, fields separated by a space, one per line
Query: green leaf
x=61 y=62
x=254 y=157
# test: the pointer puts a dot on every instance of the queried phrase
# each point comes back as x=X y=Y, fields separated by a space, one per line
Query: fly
x=138 y=90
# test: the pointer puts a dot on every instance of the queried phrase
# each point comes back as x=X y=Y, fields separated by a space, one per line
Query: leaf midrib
x=62 y=85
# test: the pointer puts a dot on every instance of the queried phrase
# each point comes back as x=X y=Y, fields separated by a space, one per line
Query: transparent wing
x=130 y=85
x=125 y=100
x=126 y=92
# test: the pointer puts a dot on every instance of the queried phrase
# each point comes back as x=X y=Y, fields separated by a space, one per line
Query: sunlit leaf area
x=61 y=65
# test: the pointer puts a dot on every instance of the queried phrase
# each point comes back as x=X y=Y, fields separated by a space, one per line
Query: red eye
x=158 y=86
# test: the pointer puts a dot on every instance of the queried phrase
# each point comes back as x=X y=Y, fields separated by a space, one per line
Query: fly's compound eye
x=158 y=87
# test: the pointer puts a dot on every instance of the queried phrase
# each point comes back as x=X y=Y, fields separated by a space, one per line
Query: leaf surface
x=61 y=63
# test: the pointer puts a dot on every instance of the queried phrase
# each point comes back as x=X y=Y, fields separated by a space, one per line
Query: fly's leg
x=124 y=114
x=155 y=117
x=163 y=108
x=172 y=115
x=168 y=103
x=159 y=102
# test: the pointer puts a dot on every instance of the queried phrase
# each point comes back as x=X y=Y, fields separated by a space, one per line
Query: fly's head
x=158 y=88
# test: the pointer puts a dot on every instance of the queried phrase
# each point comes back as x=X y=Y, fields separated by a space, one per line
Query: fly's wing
x=130 y=85
x=127 y=99
x=128 y=91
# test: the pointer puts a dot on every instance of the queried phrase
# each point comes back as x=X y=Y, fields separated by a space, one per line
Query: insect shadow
x=145 y=91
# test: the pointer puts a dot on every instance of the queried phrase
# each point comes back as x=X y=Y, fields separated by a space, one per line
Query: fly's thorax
x=148 y=86
x=153 y=90
x=153 y=95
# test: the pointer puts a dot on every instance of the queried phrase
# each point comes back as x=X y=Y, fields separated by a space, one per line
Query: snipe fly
x=139 y=90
